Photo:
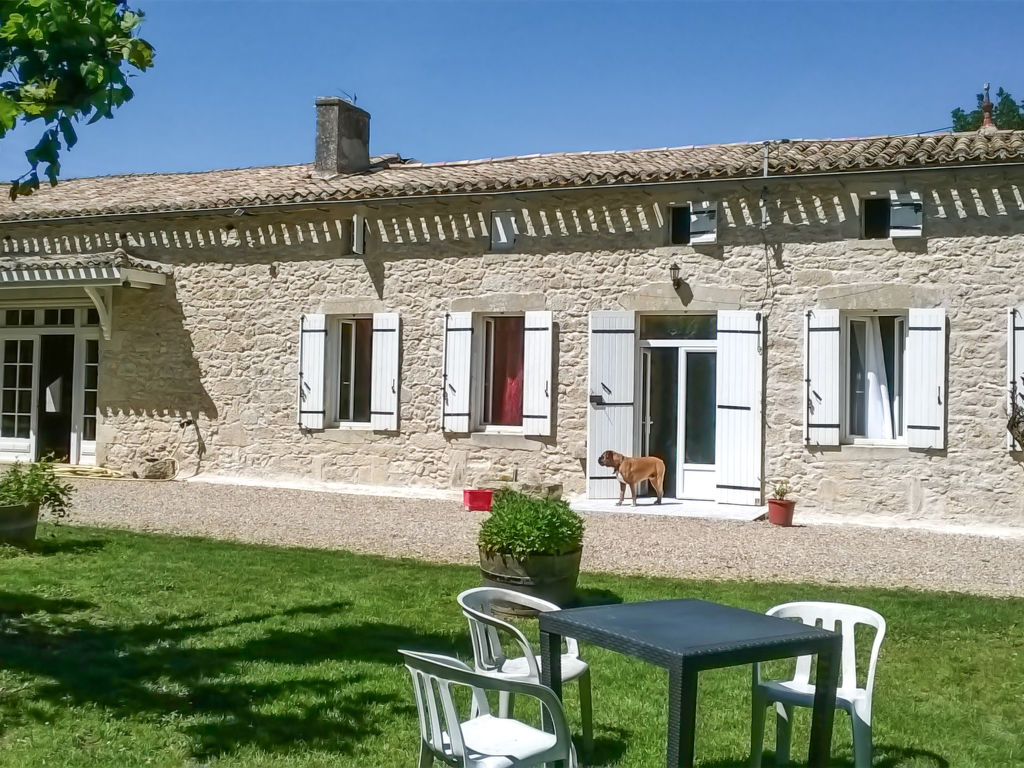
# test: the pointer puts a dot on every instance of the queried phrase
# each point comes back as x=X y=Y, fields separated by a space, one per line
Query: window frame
x=672 y=207
x=332 y=372
x=482 y=371
x=846 y=318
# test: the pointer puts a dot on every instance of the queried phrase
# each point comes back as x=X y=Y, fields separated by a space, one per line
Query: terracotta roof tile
x=393 y=177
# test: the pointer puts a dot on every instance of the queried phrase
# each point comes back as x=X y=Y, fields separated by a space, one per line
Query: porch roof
x=116 y=268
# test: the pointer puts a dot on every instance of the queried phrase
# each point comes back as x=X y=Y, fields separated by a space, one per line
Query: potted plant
x=532 y=545
x=780 y=509
x=24 y=490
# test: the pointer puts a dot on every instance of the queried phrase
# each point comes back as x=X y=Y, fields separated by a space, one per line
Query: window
x=351 y=341
x=899 y=215
x=92 y=367
x=58 y=317
x=20 y=317
x=503 y=231
x=875 y=216
x=502 y=371
x=679 y=225
x=874 y=377
x=16 y=392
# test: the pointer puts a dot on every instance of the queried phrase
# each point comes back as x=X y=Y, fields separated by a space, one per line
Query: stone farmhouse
x=844 y=314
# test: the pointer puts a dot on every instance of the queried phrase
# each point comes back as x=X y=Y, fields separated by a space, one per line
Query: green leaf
x=9 y=111
x=68 y=132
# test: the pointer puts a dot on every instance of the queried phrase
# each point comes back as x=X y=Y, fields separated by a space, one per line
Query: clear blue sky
x=234 y=81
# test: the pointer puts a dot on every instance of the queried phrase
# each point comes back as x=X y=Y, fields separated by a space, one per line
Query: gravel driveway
x=441 y=530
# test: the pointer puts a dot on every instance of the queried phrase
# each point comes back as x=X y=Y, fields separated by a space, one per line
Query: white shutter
x=821 y=379
x=358 y=234
x=610 y=424
x=925 y=374
x=740 y=374
x=1014 y=362
x=538 y=383
x=458 y=350
x=312 y=342
x=906 y=214
x=384 y=376
x=703 y=223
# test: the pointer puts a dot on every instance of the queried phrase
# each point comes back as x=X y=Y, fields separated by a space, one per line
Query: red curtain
x=507 y=381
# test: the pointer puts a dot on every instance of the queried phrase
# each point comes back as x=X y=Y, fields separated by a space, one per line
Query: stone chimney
x=342 y=137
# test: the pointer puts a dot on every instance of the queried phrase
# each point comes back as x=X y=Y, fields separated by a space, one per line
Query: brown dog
x=634 y=471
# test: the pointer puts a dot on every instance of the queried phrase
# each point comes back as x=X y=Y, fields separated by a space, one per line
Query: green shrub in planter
x=522 y=525
x=36 y=483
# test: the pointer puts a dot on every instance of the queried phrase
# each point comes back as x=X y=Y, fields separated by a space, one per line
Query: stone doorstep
x=670 y=508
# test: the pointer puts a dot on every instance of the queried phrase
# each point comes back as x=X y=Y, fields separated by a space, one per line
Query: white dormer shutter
x=610 y=414
x=358 y=234
x=925 y=373
x=312 y=343
x=538 y=383
x=740 y=375
x=821 y=379
x=703 y=223
x=906 y=214
x=1014 y=362
x=384 y=378
x=458 y=350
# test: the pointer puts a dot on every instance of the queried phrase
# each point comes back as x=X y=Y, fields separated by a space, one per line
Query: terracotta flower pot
x=780 y=511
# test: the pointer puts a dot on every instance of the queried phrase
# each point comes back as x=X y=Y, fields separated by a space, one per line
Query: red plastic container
x=477 y=500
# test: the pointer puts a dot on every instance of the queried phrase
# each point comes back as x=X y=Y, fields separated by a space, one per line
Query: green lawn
x=119 y=649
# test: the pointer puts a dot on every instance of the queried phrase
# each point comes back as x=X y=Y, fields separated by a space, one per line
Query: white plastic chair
x=799 y=692
x=489 y=655
x=482 y=741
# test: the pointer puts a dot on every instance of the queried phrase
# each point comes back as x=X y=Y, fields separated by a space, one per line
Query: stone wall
x=218 y=346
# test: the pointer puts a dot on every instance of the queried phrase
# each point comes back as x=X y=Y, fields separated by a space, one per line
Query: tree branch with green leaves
x=1007 y=114
x=64 y=62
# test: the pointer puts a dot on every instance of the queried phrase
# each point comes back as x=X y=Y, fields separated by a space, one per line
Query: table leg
x=825 y=683
x=551 y=676
x=682 y=714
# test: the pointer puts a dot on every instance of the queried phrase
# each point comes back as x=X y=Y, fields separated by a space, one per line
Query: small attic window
x=875 y=218
x=679 y=225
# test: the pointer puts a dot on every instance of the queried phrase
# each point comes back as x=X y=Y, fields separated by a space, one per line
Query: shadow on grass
x=608 y=749
x=219 y=676
x=46 y=545
x=885 y=756
x=595 y=596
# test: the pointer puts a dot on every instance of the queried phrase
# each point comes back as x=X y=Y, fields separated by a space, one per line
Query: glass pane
x=662 y=407
x=363 y=369
x=11 y=317
x=8 y=401
x=507 y=371
x=92 y=351
x=89 y=428
x=90 y=403
x=345 y=373
x=67 y=317
x=24 y=401
x=679 y=327
x=7 y=425
x=28 y=317
x=858 y=378
x=92 y=317
x=10 y=376
x=26 y=350
x=90 y=376
x=50 y=317
x=701 y=402
x=10 y=351
x=22 y=429
x=25 y=376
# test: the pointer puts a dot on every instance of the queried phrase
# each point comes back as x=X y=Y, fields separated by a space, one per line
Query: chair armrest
x=510 y=629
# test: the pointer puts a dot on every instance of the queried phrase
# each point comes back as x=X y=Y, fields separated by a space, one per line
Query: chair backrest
x=484 y=628
x=433 y=676
x=842 y=618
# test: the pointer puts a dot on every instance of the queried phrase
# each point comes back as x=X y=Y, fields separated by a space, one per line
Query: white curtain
x=878 y=406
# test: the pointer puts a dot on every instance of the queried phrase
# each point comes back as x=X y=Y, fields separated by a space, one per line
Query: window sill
x=345 y=433
x=871 y=451
x=508 y=440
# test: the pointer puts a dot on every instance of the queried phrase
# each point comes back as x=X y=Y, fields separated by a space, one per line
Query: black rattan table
x=687 y=636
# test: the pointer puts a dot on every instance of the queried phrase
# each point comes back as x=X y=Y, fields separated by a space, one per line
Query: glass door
x=697 y=410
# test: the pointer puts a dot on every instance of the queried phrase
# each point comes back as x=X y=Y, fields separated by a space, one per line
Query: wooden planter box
x=18 y=523
x=549 y=577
